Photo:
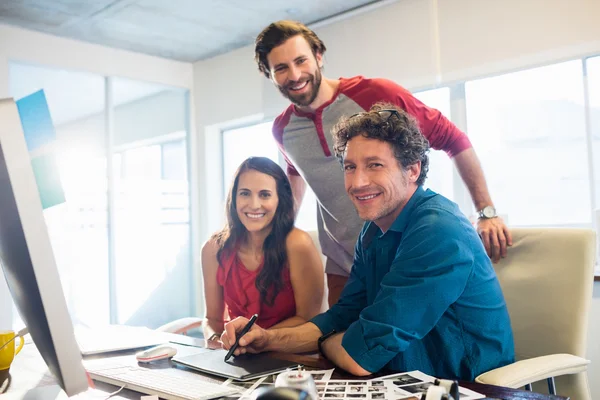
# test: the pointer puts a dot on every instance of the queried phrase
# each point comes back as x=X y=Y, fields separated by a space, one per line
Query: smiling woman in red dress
x=259 y=263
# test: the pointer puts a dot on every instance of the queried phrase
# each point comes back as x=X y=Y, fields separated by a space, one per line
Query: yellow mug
x=7 y=354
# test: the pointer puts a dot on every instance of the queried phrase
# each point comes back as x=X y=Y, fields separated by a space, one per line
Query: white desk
x=31 y=380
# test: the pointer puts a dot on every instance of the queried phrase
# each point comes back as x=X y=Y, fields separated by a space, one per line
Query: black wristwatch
x=322 y=339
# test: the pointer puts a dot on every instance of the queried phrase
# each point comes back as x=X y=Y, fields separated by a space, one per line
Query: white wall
x=485 y=37
x=4 y=85
x=37 y=48
x=419 y=44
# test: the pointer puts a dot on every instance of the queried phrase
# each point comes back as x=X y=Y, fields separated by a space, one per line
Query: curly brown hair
x=277 y=33
x=388 y=123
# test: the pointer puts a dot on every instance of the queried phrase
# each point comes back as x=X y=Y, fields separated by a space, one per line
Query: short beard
x=307 y=98
x=389 y=208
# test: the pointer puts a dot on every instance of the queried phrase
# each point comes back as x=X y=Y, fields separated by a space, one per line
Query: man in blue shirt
x=422 y=293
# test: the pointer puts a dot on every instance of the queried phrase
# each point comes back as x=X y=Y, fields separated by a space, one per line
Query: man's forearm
x=335 y=352
x=303 y=339
x=299 y=339
x=472 y=175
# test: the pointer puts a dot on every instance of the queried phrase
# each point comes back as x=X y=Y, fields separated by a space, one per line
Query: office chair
x=547 y=280
x=181 y=326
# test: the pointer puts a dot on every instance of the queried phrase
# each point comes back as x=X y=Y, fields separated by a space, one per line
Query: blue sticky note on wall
x=47 y=177
x=40 y=137
x=35 y=118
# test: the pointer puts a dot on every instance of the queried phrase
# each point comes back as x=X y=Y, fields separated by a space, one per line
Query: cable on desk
x=21 y=333
x=116 y=392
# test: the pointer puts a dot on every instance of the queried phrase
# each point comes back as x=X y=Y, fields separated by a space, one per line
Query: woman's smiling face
x=256 y=200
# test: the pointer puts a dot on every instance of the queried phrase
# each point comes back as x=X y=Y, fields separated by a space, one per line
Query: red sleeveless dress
x=242 y=298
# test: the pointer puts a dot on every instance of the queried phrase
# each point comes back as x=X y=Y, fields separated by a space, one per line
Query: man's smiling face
x=376 y=183
x=296 y=71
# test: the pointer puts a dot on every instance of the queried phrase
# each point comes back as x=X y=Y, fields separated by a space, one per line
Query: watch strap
x=323 y=339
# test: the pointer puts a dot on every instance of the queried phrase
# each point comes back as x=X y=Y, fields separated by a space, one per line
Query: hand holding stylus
x=243 y=336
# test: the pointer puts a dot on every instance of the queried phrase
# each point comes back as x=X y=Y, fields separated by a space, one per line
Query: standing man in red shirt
x=291 y=55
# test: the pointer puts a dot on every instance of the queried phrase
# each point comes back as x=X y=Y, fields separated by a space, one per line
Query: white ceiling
x=185 y=30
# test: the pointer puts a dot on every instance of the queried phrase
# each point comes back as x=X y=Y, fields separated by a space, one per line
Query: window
x=78 y=227
x=152 y=233
x=593 y=73
x=529 y=131
x=239 y=144
x=152 y=249
x=257 y=140
x=440 y=175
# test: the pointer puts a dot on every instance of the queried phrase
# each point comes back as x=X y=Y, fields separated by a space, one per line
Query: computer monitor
x=28 y=261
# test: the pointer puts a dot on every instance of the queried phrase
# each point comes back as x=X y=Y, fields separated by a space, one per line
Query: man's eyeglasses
x=385 y=114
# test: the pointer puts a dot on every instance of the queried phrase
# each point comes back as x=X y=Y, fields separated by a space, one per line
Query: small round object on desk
x=298 y=379
x=280 y=393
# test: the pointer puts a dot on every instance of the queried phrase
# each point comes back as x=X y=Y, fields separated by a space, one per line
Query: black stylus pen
x=242 y=333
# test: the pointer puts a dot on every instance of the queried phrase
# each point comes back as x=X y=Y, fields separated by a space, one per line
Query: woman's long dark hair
x=274 y=248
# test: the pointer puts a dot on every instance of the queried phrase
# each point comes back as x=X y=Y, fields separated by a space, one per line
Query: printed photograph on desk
x=410 y=385
x=317 y=375
x=321 y=375
x=320 y=388
x=418 y=388
x=355 y=390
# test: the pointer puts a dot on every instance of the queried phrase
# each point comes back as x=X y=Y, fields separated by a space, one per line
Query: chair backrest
x=547 y=279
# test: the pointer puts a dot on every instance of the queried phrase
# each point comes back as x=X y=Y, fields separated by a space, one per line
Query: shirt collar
x=399 y=225
x=344 y=83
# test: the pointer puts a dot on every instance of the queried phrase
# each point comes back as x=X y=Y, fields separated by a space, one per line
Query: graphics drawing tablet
x=242 y=368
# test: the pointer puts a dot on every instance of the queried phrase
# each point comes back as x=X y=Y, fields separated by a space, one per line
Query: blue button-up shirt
x=423 y=296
